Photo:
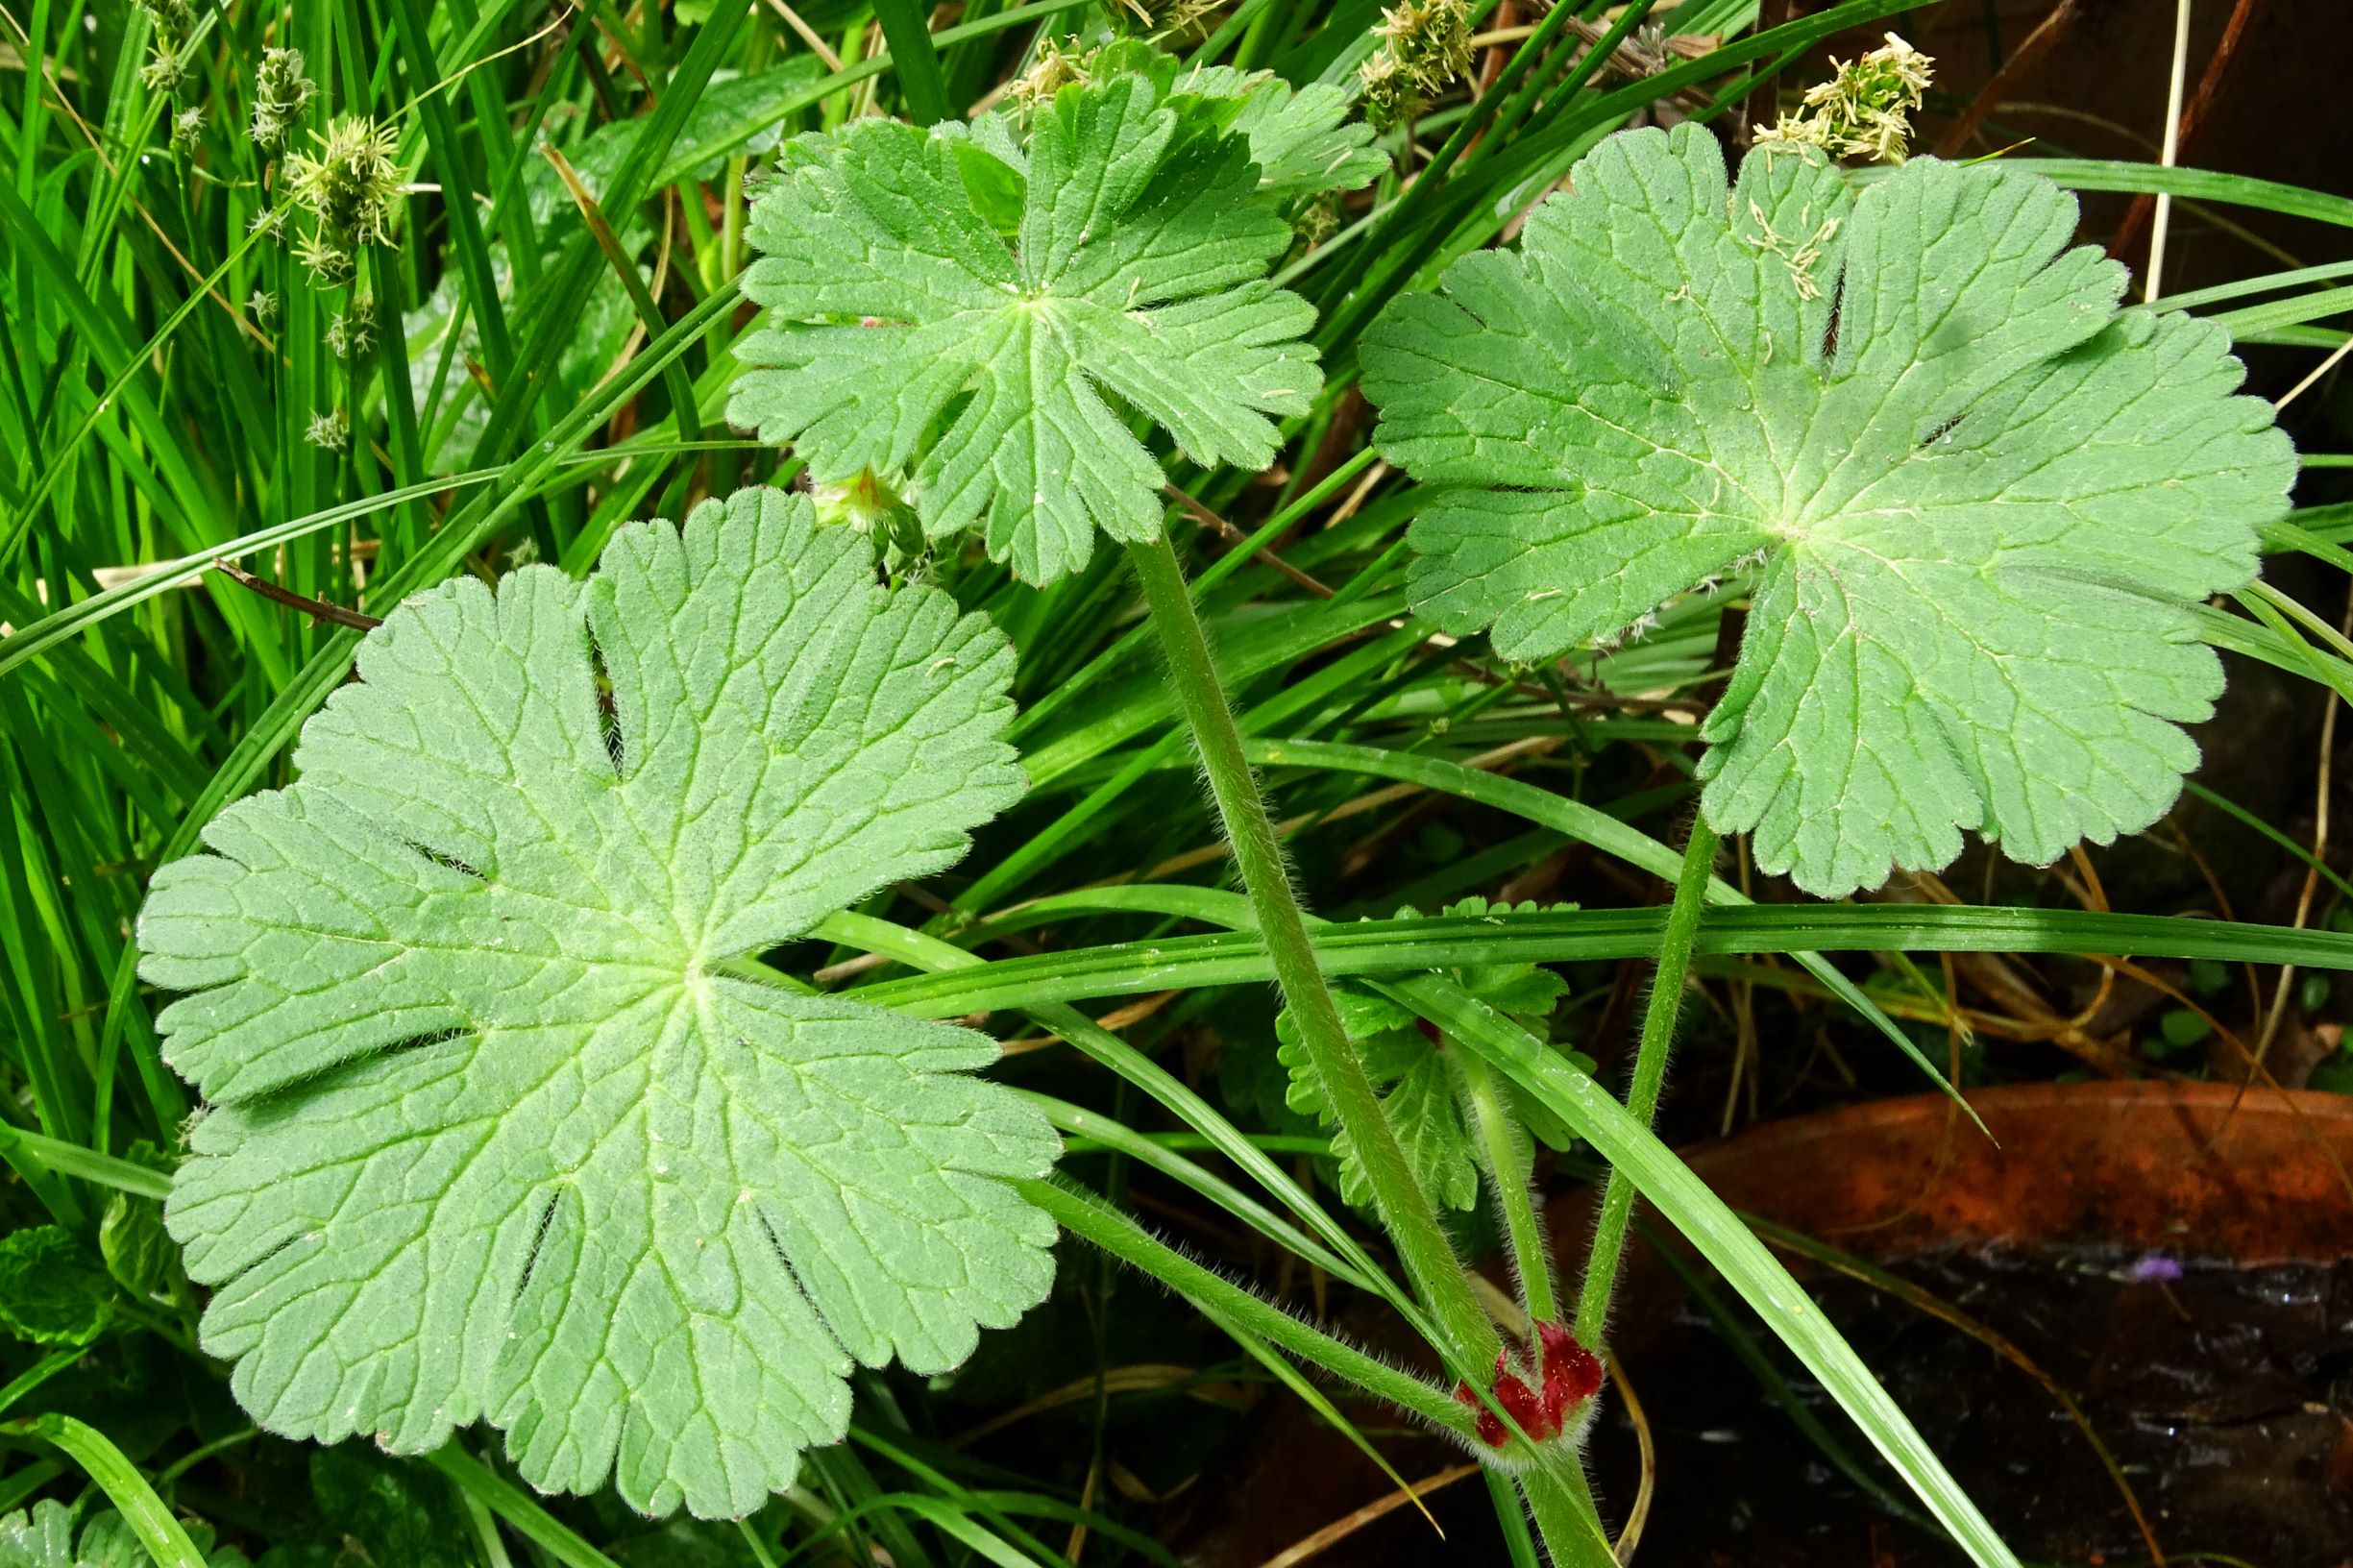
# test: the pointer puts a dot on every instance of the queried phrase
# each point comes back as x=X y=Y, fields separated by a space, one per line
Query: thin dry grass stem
x=2222 y=902
x=2027 y=1016
x=1141 y=1377
x=562 y=15
x=1357 y=497
x=1339 y=1529
x=1630 y=1538
x=808 y=35
x=1077 y=1543
x=661 y=277
x=2272 y=1014
x=1116 y=1019
x=2335 y=359
x=2192 y=118
x=2091 y=894
x=2161 y=214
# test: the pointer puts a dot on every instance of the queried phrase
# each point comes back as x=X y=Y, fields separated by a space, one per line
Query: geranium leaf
x=1301 y=139
x=1983 y=501
x=905 y=335
x=41 y=1539
x=502 y=1126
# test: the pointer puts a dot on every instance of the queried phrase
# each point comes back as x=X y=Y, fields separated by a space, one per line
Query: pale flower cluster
x=1865 y=109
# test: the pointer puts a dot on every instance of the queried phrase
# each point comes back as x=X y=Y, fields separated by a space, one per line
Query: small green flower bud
x=164 y=74
x=330 y=430
x=353 y=333
x=350 y=184
x=280 y=94
x=328 y=262
x=173 y=16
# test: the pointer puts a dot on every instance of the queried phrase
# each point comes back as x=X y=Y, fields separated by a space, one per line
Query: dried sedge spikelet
x=188 y=128
x=349 y=184
x=1174 y=19
x=1864 y=111
x=1382 y=90
x=280 y=94
x=1055 y=68
x=1318 y=220
x=1425 y=49
x=330 y=430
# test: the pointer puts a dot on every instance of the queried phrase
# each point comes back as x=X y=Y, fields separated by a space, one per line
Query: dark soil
x=2226 y=1396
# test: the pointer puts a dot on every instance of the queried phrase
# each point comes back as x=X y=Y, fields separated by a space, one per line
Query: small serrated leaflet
x=504 y=1125
x=1983 y=501
x=1418 y=1090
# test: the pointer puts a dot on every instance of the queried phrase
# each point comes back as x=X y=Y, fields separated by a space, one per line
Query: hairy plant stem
x=1561 y=1504
x=1650 y=1072
x=1501 y=1153
x=1085 y=1216
x=1405 y=1209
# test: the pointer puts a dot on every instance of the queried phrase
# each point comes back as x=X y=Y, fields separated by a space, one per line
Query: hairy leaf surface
x=907 y=331
x=505 y=1125
x=1983 y=501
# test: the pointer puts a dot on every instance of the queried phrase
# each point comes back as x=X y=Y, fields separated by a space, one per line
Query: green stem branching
x=1659 y=1021
x=1499 y=1150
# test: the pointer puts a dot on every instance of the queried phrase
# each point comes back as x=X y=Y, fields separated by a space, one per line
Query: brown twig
x=1233 y=535
x=318 y=609
x=2028 y=55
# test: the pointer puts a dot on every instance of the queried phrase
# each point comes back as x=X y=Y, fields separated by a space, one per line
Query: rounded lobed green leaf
x=503 y=1126
x=906 y=332
x=1982 y=501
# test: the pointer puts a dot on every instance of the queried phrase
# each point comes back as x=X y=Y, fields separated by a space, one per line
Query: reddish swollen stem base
x=1567 y=1375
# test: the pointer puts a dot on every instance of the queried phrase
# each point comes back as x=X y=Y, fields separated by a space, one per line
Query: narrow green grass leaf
x=2195 y=184
x=916 y=58
x=149 y=1518
x=1384 y=947
x=78 y=1160
x=520 y=1512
